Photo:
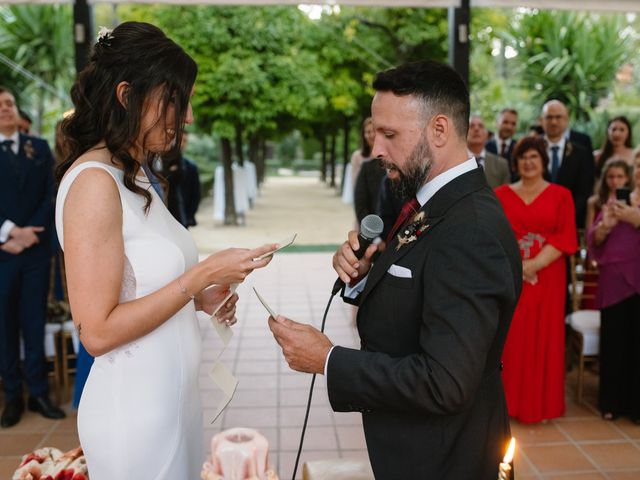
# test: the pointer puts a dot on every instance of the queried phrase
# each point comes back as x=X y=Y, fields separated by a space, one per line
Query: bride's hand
x=211 y=297
x=233 y=265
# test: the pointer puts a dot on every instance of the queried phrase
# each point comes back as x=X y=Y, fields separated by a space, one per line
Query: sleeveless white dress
x=140 y=415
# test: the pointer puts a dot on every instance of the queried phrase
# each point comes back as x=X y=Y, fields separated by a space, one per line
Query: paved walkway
x=271 y=398
x=286 y=205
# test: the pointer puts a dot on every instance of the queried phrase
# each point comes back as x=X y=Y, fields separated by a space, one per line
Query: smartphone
x=623 y=194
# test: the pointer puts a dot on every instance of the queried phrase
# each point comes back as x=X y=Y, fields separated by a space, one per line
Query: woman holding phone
x=616 y=175
x=614 y=242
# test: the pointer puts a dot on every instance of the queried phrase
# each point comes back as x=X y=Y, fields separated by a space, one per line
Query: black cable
x=313 y=382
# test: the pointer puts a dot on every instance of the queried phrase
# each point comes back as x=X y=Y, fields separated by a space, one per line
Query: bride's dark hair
x=144 y=57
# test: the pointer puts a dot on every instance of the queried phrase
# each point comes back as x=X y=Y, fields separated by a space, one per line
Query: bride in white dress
x=132 y=271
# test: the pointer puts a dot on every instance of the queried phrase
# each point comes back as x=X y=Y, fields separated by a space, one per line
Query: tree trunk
x=261 y=167
x=239 y=153
x=345 y=151
x=230 y=217
x=323 y=167
x=332 y=159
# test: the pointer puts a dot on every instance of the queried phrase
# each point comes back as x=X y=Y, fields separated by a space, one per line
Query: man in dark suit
x=570 y=164
x=367 y=189
x=496 y=169
x=184 y=194
x=503 y=144
x=437 y=303
x=389 y=206
x=26 y=214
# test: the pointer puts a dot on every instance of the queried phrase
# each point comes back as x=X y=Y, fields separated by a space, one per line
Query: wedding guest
x=507 y=124
x=359 y=157
x=614 y=242
x=183 y=195
x=570 y=156
x=616 y=173
x=542 y=217
x=26 y=217
x=618 y=144
x=132 y=270
x=363 y=154
x=496 y=169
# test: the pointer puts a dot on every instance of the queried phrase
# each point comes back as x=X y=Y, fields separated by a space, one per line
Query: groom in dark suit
x=26 y=214
x=435 y=306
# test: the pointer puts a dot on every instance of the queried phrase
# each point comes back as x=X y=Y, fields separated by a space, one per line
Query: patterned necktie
x=555 y=162
x=408 y=209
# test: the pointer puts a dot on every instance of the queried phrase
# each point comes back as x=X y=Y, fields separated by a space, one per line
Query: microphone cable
x=371 y=227
x=313 y=381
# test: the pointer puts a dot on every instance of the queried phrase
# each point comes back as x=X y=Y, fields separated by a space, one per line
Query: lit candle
x=506 y=470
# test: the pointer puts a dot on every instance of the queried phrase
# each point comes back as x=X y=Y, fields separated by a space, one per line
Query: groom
x=436 y=305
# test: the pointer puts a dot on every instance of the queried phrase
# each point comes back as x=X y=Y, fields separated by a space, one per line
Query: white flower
x=105 y=33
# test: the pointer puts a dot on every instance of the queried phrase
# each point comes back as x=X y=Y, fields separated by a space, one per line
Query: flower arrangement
x=51 y=464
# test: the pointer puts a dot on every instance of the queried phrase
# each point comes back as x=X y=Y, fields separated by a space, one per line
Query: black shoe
x=44 y=407
x=12 y=413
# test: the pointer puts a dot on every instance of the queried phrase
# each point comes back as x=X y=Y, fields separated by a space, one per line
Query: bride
x=132 y=271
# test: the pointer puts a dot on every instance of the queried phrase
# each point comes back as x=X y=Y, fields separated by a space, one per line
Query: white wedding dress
x=140 y=415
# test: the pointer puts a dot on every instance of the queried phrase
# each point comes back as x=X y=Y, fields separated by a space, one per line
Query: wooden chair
x=69 y=343
x=584 y=321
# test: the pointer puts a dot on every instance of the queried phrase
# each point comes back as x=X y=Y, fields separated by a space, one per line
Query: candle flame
x=510 y=451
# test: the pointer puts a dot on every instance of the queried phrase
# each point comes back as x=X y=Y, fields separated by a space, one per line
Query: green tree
x=571 y=56
x=39 y=39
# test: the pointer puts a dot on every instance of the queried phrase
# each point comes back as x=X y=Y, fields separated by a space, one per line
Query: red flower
x=32 y=456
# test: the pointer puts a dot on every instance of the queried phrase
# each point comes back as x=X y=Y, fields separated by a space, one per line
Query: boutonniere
x=568 y=149
x=413 y=230
x=29 y=151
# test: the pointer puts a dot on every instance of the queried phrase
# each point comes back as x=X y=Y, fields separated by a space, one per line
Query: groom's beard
x=416 y=172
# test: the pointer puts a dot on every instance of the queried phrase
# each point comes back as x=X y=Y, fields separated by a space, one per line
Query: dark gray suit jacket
x=427 y=377
x=496 y=169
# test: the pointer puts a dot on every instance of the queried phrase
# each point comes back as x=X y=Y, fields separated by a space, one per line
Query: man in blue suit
x=26 y=214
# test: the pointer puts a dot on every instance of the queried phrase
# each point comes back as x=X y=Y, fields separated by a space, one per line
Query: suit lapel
x=435 y=210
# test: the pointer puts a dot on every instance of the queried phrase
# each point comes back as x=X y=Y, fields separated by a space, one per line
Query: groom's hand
x=304 y=347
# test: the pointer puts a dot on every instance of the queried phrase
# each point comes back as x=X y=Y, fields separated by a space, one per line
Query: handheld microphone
x=370 y=228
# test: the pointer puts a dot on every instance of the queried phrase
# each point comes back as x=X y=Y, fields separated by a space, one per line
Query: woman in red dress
x=543 y=220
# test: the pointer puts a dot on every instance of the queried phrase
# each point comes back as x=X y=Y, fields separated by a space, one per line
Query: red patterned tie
x=408 y=209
